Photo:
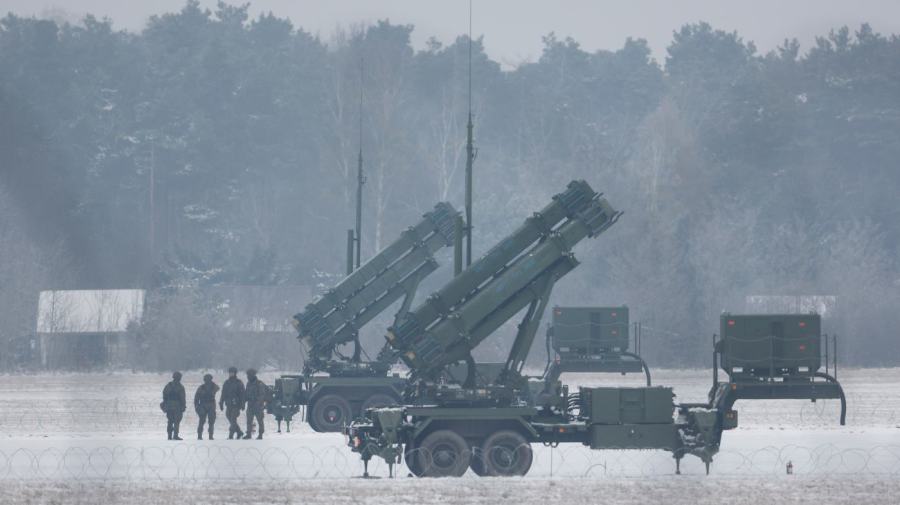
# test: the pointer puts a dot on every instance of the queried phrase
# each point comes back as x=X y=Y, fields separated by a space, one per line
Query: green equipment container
x=290 y=387
x=770 y=344
x=585 y=331
x=614 y=406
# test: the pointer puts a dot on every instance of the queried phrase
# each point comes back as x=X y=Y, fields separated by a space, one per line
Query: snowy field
x=100 y=438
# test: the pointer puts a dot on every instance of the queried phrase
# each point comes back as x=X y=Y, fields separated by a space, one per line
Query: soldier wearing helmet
x=173 y=405
x=257 y=395
x=232 y=401
x=205 y=405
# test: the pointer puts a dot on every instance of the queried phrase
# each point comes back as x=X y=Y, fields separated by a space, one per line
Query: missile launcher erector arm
x=395 y=272
x=518 y=272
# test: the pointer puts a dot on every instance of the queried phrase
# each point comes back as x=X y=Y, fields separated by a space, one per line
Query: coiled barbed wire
x=188 y=463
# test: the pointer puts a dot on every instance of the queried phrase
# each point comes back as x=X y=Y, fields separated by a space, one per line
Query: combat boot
x=259 y=437
x=210 y=435
x=248 y=436
x=169 y=433
x=239 y=435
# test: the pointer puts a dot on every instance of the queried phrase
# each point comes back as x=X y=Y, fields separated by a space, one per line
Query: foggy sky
x=513 y=28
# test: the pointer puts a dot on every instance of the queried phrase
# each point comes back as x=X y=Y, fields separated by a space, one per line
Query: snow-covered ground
x=96 y=438
x=626 y=491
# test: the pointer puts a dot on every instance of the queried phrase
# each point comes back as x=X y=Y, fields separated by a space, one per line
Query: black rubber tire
x=378 y=400
x=506 y=453
x=411 y=456
x=329 y=413
x=443 y=453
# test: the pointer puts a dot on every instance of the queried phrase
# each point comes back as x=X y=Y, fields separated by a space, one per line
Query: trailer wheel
x=329 y=413
x=443 y=453
x=378 y=400
x=506 y=453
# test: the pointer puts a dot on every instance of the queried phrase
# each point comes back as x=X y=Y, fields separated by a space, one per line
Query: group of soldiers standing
x=235 y=397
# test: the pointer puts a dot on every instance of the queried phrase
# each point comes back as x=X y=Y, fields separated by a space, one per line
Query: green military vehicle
x=446 y=429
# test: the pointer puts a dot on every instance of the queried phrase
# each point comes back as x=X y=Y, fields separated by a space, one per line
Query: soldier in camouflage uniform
x=257 y=395
x=173 y=405
x=232 y=401
x=205 y=405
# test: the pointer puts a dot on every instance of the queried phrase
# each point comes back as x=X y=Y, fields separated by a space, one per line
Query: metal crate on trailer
x=289 y=386
x=289 y=390
x=589 y=330
x=777 y=344
x=644 y=405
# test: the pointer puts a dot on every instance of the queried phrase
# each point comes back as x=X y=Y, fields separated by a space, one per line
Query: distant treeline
x=211 y=148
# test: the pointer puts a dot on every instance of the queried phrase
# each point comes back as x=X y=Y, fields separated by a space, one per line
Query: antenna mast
x=360 y=178
x=470 y=153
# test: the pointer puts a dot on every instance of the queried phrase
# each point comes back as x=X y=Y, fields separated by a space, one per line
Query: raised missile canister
x=577 y=196
x=335 y=317
x=469 y=320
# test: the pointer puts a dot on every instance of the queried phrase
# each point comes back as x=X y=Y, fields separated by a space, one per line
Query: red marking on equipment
x=803 y=324
x=731 y=322
x=802 y=347
x=613 y=314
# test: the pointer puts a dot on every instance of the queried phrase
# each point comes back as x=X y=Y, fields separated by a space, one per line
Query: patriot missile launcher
x=336 y=388
x=446 y=429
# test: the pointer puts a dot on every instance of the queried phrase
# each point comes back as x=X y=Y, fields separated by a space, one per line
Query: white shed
x=86 y=327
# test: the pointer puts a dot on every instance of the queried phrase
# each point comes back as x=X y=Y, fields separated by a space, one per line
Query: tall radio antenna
x=354 y=236
x=470 y=153
x=360 y=177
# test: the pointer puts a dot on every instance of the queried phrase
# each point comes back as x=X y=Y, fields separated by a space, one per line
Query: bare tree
x=26 y=268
